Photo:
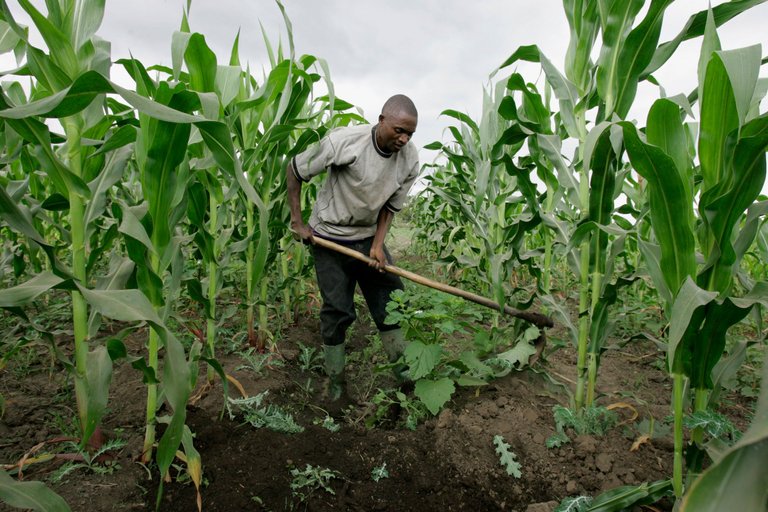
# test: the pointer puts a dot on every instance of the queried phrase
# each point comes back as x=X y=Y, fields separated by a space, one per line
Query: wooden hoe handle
x=536 y=319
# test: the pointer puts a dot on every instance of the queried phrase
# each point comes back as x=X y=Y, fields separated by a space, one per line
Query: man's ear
x=381 y=117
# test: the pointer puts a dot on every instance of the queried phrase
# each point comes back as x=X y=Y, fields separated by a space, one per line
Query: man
x=370 y=170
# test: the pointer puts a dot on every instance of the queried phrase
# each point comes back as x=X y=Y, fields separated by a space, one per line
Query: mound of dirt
x=448 y=462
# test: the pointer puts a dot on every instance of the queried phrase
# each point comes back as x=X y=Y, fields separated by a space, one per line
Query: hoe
x=537 y=319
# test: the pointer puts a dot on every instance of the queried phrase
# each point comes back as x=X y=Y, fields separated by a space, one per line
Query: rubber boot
x=394 y=345
x=334 y=369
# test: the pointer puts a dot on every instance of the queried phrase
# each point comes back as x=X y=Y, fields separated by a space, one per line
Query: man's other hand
x=302 y=232
x=379 y=259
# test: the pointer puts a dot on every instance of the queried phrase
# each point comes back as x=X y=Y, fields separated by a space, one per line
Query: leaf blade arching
x=668 y=198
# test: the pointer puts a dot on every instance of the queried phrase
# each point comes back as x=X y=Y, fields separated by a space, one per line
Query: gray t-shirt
x=361 y=181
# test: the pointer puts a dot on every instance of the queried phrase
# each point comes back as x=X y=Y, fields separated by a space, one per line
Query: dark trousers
x=337 y=275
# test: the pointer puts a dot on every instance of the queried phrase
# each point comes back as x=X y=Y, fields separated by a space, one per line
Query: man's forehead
x=401 y=117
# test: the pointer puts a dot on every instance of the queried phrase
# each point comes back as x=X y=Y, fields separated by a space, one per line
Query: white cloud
x=440 y=52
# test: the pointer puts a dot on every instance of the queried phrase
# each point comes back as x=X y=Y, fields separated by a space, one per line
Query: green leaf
x=121 y=137
x=58 y=43
x=131 y=226
x=604 y=163
x=37 y=132
x=506 y=457
x=584 y=24
x=422 y=359
x=666 y=131
x=17 y=218
x=98 y=375
x=719 y=117
x=616 y=23
x=743 y=68
x=709 y=45
x=228 y=80
x=464 y=118
x=670 y=208
x=86 y=19
x=28 y=291
x=434 y=393
x=122 y=305
x=636 y=54
x=551 y=145
x=727 y=368
x=518 y=355
x=133 y=306
x=201 y=62
x=66 y=102
x=695 y=27
x=686 y=315
x=55 y=203
x=170 y=441
x=8 y=38
x=167 y=149
x=709 y=344
x=624 y=497
x=30 y=495
x=111 y=173
x=723 y=206
x=652 y=257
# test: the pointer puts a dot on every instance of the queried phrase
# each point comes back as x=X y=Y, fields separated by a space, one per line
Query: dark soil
x=447 y=463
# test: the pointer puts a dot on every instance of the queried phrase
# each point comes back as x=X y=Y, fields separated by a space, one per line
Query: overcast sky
x=439 y=52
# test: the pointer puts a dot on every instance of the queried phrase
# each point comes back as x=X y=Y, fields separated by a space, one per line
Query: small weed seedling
x=272 y=416
x=309 y=358
x=592 y=421
x=328 y=423
x=92 y=462
x=311 y=478
x=507 y=457
x=379 y=472
x=575 y=504
x=714 y=425
x=386 y=400
x=256 y=362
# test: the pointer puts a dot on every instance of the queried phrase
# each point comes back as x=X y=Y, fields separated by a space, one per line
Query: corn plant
x=80 y=175
x=599 y=92
x=482 y=222
x=208 y=208
x=148 y=227
x=702 y=302
x=272 y=123
x=580 y=204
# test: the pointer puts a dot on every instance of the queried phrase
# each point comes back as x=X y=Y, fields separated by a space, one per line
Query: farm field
x=159 y=337
x=448 y=462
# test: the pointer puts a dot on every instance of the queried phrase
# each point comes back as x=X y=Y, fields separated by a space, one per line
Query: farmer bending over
x=370 y=170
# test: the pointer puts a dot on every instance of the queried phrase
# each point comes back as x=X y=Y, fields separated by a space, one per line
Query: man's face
x=394 y=131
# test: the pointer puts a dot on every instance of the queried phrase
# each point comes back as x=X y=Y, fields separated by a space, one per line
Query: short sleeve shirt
x=361 y=181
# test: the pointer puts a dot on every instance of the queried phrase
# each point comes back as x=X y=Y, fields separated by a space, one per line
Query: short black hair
x=399 y=103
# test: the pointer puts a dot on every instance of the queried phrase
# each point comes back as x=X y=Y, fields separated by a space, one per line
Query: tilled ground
x=447 y=463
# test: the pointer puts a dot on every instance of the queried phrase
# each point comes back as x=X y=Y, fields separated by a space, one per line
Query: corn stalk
x=732 y=142
x=68 y=30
